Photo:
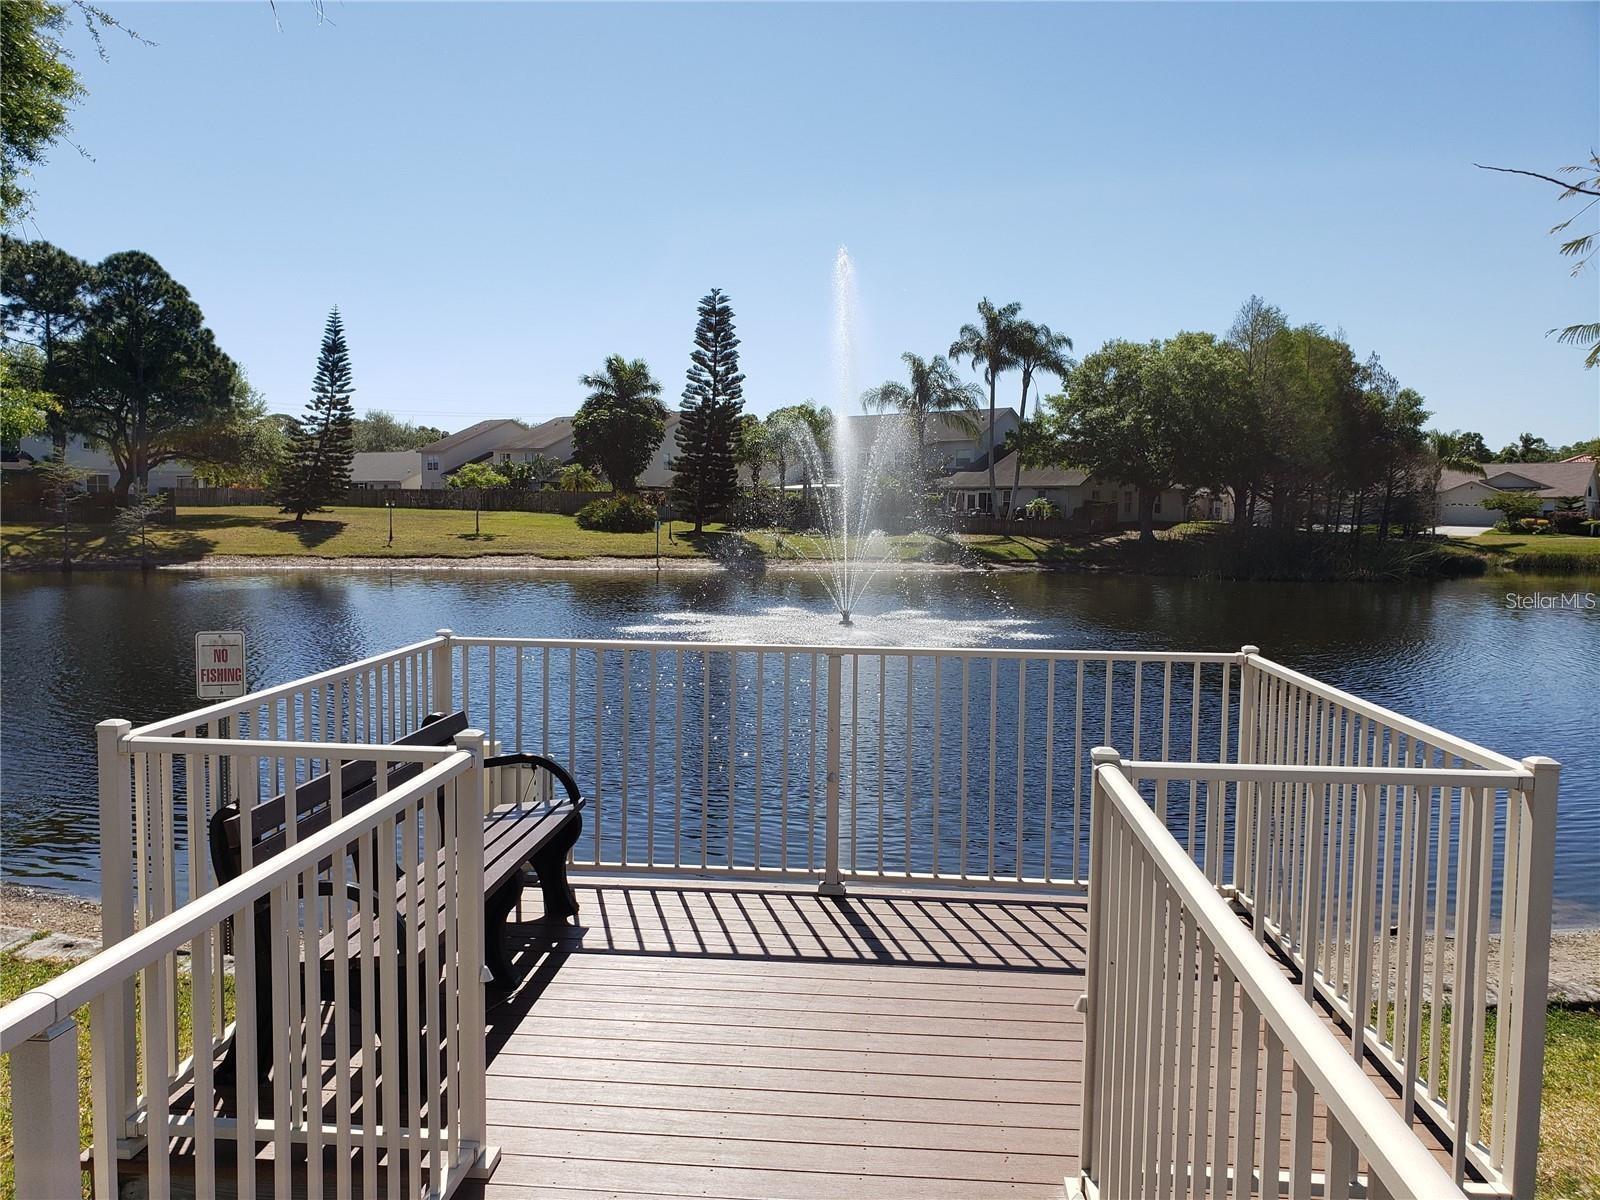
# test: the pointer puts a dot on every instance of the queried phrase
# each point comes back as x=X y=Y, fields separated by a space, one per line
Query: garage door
x=1466 y=514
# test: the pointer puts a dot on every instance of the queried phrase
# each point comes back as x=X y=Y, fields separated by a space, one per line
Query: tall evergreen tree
x=322 y=446
x=705 y=471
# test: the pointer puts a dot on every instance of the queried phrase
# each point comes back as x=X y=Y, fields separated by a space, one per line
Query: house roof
x=941 y=427
x=1570 y=478
x=542 y=435
x=466 y=435
x=380 y=466
x=1034 y=477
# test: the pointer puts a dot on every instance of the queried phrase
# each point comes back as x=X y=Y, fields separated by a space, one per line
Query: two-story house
x=475 y=443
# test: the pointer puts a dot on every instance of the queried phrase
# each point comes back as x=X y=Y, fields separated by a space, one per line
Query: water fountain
x=845 y=477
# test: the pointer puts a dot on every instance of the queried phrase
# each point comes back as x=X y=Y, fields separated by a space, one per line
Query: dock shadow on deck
x=765 y=1042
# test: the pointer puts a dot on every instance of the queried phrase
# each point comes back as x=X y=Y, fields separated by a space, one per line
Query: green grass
x=1014 y=549
x=258 y=531
x=1549 y=553
x=1569 y=1110
x=18 y=975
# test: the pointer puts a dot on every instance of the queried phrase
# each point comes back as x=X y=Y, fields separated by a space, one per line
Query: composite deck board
x=755 y=1041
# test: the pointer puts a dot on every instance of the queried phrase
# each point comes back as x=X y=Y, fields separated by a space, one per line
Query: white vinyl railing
x=1313 y=813
x=338 y=980
x=1201 y=1057
x=1380 y=856
x=968 y=765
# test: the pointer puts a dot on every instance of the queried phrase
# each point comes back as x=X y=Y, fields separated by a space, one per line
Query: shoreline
x=226 y=563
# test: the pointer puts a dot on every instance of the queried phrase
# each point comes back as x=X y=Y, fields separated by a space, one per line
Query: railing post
x=832 y=882
x=473 y=967
x=1530 y=972
x=1245 y=794
x=44 y=1083
x=442 y=673
x=116 y=908
x=1100 y=756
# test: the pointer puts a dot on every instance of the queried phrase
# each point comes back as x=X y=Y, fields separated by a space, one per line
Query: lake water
x=1457 y=655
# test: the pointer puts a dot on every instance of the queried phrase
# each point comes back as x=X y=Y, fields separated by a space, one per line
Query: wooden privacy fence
x=488 y=499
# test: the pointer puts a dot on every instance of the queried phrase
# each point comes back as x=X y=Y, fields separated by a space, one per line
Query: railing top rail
x=1437 y=738
x=352 y=751
x=227 y=708
x=41 y=1007
x=1205 y=656
x=1428 y=777
x=1392 y=1151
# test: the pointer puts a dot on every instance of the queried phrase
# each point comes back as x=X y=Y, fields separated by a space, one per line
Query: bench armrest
x=574 y=796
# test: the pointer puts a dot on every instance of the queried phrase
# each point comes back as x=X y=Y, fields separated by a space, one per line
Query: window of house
x=1094 y=493
x=99 y=483
x=432 y=464
x=1158 y=504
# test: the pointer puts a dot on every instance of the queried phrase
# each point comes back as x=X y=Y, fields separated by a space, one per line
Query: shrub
x=1567 y=520
x=1041 y=508
x=618 y=514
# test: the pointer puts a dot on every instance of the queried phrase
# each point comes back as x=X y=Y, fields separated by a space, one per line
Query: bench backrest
x=314 y=811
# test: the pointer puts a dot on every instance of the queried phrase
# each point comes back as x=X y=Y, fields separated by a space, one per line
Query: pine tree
x=705 y=471
x=322 y=446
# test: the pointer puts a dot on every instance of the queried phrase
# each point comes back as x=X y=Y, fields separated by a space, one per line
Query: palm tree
x=1039 y=350
x=992 y=344
x=754 y=449
x=794 y=431
x=932 y=389
x=1450 y=452
x=622 y=421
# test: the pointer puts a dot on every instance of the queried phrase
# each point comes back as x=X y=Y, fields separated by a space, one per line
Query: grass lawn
x=1540 y=546
x=1569 y=1127
x=355 y=532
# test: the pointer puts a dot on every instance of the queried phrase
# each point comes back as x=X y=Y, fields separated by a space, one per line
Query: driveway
x=1462 y=531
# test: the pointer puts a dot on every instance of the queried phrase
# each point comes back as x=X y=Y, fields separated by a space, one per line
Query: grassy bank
x=1210 y=550
x=1545 y=554
x=1197 y=550
x=260 y=531
x=1570 y=1126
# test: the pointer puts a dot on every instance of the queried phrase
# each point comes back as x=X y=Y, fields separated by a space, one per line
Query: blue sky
x=499 y=195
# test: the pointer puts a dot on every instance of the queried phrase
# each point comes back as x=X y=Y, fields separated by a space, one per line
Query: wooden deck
x=765 y=1042
x=762 y=1042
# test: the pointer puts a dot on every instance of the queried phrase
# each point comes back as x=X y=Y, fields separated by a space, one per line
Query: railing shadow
x=654 y=921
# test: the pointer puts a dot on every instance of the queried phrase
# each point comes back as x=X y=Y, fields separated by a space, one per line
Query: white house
x=947 y=446
x=1068 y=488
x=475 y=443
x=550 y=439
x=1461 y=493
x=658 y=473
x=386 y=469
x=100 y=470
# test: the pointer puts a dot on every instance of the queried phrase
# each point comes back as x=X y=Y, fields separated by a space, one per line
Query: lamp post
x=389 y=504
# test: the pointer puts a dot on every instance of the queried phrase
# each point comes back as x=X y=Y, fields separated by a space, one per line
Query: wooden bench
x=517 y=836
